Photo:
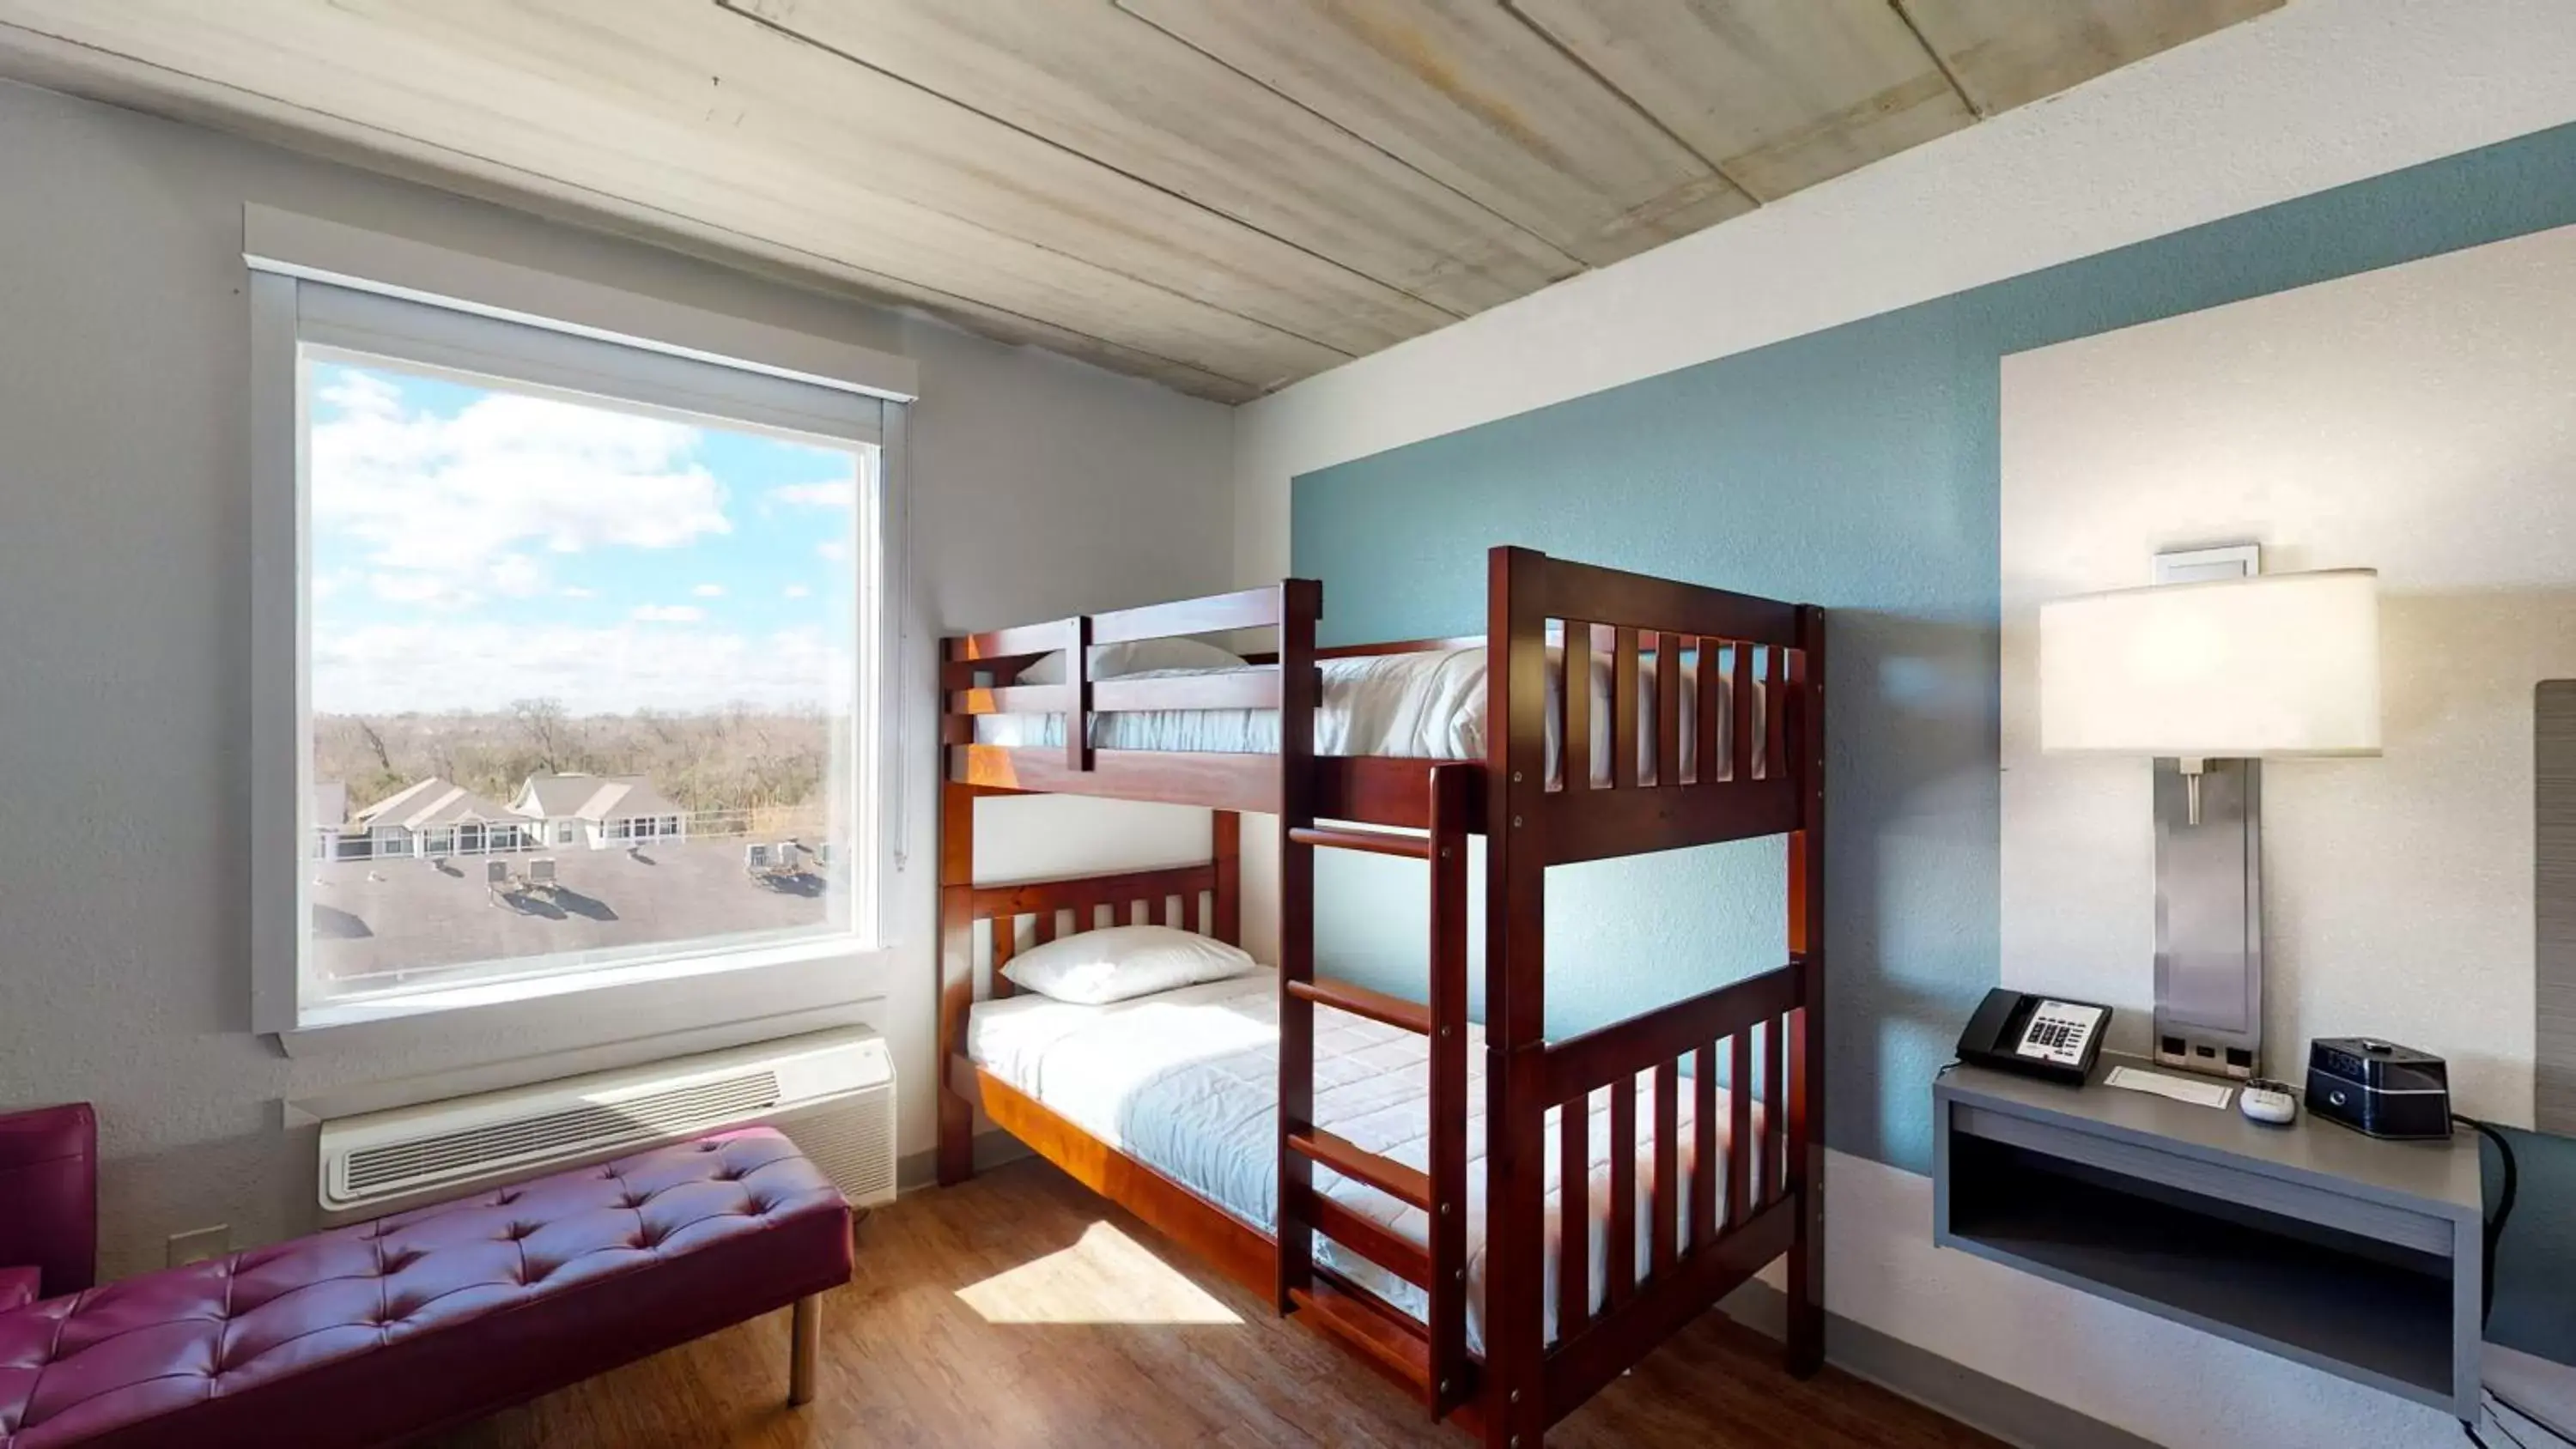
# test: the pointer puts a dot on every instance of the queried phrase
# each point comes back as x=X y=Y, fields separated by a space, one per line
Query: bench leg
x=805 y=1343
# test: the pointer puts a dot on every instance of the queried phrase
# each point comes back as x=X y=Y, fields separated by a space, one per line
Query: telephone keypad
x=2059 y=1032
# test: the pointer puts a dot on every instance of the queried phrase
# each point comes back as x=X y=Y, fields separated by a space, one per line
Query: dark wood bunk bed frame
x=1772 y=1200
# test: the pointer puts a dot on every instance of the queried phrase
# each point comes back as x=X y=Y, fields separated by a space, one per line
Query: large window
x=588 y=650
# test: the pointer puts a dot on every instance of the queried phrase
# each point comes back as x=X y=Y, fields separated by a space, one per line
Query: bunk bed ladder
x=1429 y=1359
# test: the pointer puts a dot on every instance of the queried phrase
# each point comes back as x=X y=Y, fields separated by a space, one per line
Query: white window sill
x=609 y=1004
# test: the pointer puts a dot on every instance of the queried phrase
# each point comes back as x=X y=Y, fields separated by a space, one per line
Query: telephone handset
x=2040 y=1035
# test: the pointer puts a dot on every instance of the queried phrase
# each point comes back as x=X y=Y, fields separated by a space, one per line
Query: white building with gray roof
x=436 y=817
x=603 y=812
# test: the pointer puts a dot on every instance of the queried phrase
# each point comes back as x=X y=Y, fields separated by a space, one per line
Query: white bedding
x=1187 y=1082
x=1428 y=705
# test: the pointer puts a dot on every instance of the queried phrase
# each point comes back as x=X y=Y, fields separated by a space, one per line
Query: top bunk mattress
x=1422 y=705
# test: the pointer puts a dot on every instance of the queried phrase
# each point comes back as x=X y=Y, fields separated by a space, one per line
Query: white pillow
x=1109 y=661
x=1095 y=968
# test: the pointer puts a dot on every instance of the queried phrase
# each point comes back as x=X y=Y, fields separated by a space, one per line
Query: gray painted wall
x=1040 y=486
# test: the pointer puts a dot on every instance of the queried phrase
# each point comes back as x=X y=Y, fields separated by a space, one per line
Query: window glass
x=569 y=657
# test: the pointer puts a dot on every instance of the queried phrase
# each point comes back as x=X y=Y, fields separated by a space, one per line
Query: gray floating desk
x=2359 y=1257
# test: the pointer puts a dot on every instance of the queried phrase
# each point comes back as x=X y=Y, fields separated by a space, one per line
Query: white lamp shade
x=2278 y=664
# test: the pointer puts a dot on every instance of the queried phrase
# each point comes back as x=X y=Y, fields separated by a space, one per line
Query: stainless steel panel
x=2209 y=915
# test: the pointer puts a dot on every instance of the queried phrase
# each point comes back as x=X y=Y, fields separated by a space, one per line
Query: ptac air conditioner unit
x=831 y=1092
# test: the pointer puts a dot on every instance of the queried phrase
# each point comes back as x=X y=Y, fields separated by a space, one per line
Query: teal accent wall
x=1857 y=468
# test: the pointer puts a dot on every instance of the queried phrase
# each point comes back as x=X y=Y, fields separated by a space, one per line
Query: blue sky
x=472 y=546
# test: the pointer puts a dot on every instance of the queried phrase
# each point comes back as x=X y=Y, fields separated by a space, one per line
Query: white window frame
x=423 y=307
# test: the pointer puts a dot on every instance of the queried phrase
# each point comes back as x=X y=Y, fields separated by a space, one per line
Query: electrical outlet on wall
x=198 y=1244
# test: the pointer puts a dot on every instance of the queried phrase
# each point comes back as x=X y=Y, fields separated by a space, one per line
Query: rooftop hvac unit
x=831 y=1092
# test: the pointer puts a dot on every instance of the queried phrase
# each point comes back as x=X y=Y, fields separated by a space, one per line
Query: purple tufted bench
x=383 y=1331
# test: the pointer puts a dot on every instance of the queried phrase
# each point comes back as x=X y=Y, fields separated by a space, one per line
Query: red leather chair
x=48 y=1203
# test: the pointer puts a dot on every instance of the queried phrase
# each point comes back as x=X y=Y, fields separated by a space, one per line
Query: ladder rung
x=1395 y=1011
x=1370 y=1238
x=1390 y=1343
x=1381 y=842
x=1405 y=1184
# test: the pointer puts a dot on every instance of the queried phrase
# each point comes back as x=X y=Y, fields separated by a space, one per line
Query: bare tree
x=730 y=760
x=375 y=739
x=548 y=730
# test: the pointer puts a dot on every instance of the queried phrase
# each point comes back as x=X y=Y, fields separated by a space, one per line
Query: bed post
x=955 y=964
x=1301 y=603
x=1225 y=839
x=1516 y=1411
x=1807 y=1065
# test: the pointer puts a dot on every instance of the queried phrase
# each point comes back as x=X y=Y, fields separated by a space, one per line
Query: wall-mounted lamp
x=2208 y=678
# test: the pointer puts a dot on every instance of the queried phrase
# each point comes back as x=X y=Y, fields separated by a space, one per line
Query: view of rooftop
x=380 y=923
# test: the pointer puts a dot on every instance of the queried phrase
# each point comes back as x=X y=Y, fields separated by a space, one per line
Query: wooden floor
x=1020 y=1309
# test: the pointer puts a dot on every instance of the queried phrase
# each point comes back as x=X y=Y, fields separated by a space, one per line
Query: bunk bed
x=1463 y=1259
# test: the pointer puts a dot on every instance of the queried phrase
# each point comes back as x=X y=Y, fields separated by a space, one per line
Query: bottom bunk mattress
x=1187 y=1082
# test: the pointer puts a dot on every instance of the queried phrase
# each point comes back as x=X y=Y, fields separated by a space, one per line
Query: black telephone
x=2041 y=1035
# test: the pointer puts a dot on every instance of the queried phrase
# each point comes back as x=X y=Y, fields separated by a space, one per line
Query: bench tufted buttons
x=164 y=1344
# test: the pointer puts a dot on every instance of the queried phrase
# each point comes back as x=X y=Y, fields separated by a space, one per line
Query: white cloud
x=459 y=665
x=364 y=394
x=709 y=591
x=796 y=591
x=455 y=505
x=669 y=614
x=434 y=591
x=841 y=494
x=832 y=549
x=576 y=591
x=512 y=575
x=518 y=576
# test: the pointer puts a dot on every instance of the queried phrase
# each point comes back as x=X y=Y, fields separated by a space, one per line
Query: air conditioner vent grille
x=590 y=1128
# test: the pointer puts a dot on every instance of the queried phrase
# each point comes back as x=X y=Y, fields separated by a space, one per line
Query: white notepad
x=2181 y=1089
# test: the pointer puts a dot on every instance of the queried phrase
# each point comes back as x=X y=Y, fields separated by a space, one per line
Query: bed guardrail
x=1733 y=655
x=980 y=673
x=1748 y=1036
x=1756 y=768
x=980 y=669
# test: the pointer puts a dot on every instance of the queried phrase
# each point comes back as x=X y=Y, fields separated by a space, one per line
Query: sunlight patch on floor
x=1106 y=1277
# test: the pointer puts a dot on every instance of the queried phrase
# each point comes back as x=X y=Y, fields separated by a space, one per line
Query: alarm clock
x=2379 y=1088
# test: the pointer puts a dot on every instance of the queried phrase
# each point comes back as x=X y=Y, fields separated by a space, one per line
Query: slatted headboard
x=1192 y=897
x=1206 y=897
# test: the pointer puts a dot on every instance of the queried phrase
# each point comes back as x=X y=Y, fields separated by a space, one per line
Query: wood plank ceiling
x=1223 y=195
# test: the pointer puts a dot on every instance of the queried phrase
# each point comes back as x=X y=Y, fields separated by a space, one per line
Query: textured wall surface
x=1773 y=473
x=1858 y=468
x=2420 y=420
x=1040 y=486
